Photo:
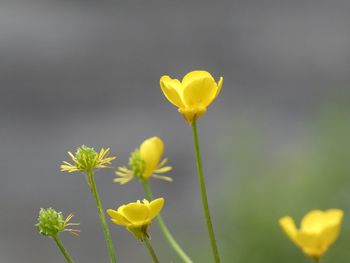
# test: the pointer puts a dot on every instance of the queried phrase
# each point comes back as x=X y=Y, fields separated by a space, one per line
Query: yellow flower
x=318 y=231
x=193 y=95
x=145 y=163
x=86 y=159
x=137 y=216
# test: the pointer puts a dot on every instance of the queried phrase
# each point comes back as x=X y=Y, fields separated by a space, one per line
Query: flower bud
x=137 y=164
x=50 y=222
x=145 y=162
x=86 y=159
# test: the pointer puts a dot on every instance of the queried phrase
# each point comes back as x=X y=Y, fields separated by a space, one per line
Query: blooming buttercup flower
x=193 y=94
x=51 y=222
x=86 y=159
x=137 y=216
x=318 y=231
x=145 y=162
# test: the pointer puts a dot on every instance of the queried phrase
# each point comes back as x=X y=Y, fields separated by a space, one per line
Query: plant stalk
x=185 y=258
x=204 y=194
x=62 y=248
x=151 y=250
x=101 y=214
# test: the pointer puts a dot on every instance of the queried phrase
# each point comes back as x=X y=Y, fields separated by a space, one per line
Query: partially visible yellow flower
x=193 y=95
x=318 y=231
x=137 y=216
x=145 y=162
x=86 y=159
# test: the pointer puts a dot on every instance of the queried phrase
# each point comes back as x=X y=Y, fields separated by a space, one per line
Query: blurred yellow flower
x=193 y=95
x=86 y=159
x=318 y=231
x=137 y=216
x=145 y=163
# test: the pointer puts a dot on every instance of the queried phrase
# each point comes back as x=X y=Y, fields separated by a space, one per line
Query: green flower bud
x=136 y=163
x=50 y=222
x=86 y=158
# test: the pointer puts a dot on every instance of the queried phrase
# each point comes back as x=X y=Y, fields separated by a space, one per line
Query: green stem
x=62 y=248
x=164 y=228
x=151 y=251
x=101 y=214
x=204 y=194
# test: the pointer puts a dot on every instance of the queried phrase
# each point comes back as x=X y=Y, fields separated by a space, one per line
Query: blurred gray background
x=275 y=142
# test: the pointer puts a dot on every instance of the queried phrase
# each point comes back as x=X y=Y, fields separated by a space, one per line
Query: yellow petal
x=155 y=206
x=314 y=222
x=311 y=244
x=288 y=226
x=220 y=82
x=136 y=213
x=151 y=151
x=333 y=216
x=117 y=218
x=195 y=74
x=330 y=234
x=308 y=240
x=119 y=222
x=199 y=89
x=172 y=90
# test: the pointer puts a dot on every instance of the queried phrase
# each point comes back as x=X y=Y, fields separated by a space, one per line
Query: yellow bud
x=151 y=151
x=145 y=162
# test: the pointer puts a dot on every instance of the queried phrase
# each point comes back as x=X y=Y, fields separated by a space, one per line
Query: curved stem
x=151 y=251
x=204 y=194
x=101 y=214
x=62 y=248
x=164 y=228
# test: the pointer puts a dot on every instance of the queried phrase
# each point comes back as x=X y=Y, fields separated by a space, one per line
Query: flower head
x=145 y=162
x=137 y=216
x=318 y=231
x=86 y=159
x=193 y=95
x=51 y=222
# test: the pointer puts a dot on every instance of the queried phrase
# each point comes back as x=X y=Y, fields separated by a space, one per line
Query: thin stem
x=62 y=248
x=185 y=258
x=101 y=214
x=151 y=251
x=204 y=194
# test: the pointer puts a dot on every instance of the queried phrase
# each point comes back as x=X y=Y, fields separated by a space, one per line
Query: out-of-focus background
x=275 y=142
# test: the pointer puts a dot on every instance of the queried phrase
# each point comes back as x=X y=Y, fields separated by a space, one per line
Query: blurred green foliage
x=263 y=185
